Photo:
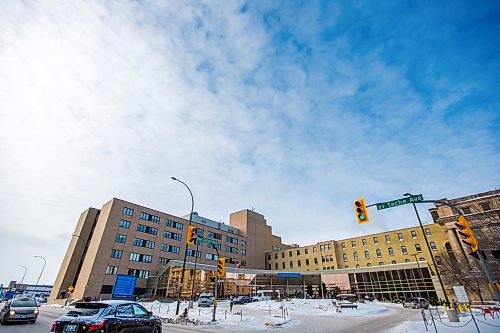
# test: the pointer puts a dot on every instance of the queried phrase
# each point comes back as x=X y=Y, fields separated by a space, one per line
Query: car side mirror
x=150 y=313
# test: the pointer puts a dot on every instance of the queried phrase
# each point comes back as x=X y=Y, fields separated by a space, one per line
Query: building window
x=307 y=262
x=413 y=234
x=375 y=240
x=275 y=265
x=394 y=262
x=353 y=244
x=282 y=255
x=243 y=252
x=146 y=229
x=172 y=235
x=211 y=256
x=355 y=255
x=243 y=243
x=138 y=273
x=381 y=263
x=124 y=224
x=342 y=245
x=346 y=267
x=163 y=261
x=428 y=232
x=111 y=270
x=283 y=264
x=466 y=210
x=357 y=265
x=231 y=240
x=140 y=257
x=379 y=253
x=421 y=259
x=306 y=251
x=120 y=238
x=344 y=256
x=439 y=260
x=363 y=241
x=149 y=217
x=400 y=236
x=367 y=255
x=387 y=238
x=298 y=252
x=275 y=256
x=128 y=211
x=116 y=253
x=315 y=261
x=191 y=253
x=368 y=265
x=199 y=231
x=407 y=260
x=144 y=243
x=314 y=250
x=403 y=250
x=176 y=225
x=299 y=263
x=433 y=246
x=418 y=248
x=391 y=251
x=485 y=206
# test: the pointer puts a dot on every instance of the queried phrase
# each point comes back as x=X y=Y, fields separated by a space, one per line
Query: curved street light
x=185 y=249
x=44 y=263
x=25 y=271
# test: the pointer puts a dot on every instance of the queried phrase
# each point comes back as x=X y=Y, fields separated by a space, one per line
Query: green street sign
x=399 y=202
x=207 y=240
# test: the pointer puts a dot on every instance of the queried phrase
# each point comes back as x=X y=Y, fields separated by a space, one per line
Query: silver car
x=19 y=309
x=205 y=300
x=416 y=303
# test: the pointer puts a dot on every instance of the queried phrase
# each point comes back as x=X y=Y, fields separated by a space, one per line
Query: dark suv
x=107 y=317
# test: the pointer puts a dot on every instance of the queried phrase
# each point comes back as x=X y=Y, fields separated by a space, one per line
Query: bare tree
x=471 y=278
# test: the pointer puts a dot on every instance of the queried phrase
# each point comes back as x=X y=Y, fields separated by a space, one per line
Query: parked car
x=205 y=300
x=242 y=300
x=19 y=309
x=416 y=303
x=107 y=317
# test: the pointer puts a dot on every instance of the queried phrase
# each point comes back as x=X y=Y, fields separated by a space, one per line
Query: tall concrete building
x=127 y=238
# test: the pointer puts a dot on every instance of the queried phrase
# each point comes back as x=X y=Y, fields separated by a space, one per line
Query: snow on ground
x=266 y=314
x=466 y=325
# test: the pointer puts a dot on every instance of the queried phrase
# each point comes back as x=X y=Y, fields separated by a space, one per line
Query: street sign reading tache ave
x=207 y=240
x=399 y=202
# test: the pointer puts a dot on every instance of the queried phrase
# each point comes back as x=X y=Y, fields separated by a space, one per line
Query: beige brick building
x=126 y=238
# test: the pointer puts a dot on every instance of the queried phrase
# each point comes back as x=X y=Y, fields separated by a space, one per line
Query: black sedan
x=107 y=317
x=242 y=300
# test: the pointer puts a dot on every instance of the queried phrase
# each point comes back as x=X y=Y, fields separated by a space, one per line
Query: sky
x=292 y=108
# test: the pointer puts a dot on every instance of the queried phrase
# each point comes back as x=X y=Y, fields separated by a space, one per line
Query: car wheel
x=3 y=321
x=156 y=330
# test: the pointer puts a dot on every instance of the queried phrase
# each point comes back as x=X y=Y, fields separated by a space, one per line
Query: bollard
x=225 y=315
x=241 y=315
x=452 y=315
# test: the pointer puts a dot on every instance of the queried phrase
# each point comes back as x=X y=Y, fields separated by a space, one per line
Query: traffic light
x=191 y=236
x=466 y=232
x=221 y=267
x=361 y=211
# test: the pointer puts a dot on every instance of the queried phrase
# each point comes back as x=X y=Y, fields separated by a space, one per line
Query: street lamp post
x=185 y=249
x=194 y=273
x=44 y=263
x=429 y=249
x=25 y=270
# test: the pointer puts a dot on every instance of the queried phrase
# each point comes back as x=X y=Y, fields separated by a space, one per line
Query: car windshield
x=23 y=303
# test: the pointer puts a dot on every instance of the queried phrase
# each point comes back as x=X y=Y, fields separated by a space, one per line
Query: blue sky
x=296 y=108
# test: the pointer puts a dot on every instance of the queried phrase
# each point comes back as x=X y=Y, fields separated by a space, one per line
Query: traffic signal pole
x=482 y=260
x=430 y=253
x=216 y=284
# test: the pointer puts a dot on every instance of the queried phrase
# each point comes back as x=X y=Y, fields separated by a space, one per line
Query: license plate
x=23 y=316
x=70 y=328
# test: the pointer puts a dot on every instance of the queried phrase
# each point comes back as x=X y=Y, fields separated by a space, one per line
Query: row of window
x=147 y=229
x=170 y=248
x=387 y=238
x=299 y=264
